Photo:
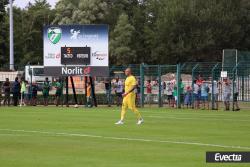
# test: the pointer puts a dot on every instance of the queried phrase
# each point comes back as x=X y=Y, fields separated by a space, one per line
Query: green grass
x=68 y=137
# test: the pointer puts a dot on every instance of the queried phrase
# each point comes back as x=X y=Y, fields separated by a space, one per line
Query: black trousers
x=16 y=98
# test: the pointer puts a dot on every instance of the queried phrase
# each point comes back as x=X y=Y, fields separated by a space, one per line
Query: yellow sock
x=137 y=113
x=123 y=112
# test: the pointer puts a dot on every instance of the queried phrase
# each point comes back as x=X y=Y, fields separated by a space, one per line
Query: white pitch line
x=215 y=119
x=128 y=139
x=204 y=114
x=177 y=113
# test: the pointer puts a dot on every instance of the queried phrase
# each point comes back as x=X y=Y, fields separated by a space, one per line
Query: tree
x=80 y=11
x=120 y=44
x=3 y=32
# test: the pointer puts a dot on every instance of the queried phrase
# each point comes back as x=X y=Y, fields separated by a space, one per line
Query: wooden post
x=93 y=91
x=67 y=91
x=74 y=91
x=85 y=82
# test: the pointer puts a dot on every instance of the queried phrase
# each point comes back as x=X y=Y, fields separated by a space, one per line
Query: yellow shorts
x=129 y=101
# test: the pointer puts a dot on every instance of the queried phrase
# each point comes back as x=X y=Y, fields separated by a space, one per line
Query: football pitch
x=69 y=137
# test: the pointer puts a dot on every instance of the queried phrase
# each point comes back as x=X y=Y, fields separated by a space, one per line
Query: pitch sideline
x=128 y=139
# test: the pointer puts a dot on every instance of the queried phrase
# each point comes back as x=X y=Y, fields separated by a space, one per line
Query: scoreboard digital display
x=75 y=55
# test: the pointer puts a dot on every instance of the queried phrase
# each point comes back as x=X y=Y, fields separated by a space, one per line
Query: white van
x=35 y=73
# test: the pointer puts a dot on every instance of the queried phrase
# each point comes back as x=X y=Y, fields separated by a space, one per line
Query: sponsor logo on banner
x=54 y=34
x=53 y=56
x=76 y=70
x=74 y=33
x=99 y=55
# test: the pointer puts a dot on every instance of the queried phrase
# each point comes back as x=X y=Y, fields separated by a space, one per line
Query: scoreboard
x=75 y=55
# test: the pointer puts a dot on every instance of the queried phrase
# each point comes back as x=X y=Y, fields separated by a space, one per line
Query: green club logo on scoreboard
x=54 y=34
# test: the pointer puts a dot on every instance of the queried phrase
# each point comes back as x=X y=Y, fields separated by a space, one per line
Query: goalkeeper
x=129 y=98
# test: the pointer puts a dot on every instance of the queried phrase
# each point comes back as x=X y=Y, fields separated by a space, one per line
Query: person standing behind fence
x=226 y=94
x=118 y=91
x=196 y=98
x=204 y=95
x=108 y=91
x=23 y=91
x=16 y=91
x=235 y=97
x=1 y=92
x=59 y=90
x=182 y=86
x=188 y=97
x=199 y=82
x=149 y=92
x=138 y=92
x=6 y=90
x=46 y=88
x=215 y=94
x=88 y=95
x=34 y=94
x=169 y=92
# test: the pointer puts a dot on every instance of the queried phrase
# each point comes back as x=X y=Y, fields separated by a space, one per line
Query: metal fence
x=160 y=76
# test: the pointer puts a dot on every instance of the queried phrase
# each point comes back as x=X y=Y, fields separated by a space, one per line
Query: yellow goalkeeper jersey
x=130 y=82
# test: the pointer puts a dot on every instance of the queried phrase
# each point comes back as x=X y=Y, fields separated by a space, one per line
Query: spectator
x=226 y=94
x=88 y=95
x=204 y=95
x=108 y=91
x=59 y=91
x=6 y=90
x=235 y=97
x=34 y=94
x=215 y=94
x=182 y=86
x=138 y=92
x=163 y=91
x=16 y=91
x=46 y=88
x=196 y=99
x=188 y=97
x=175 y=95
x=1 y=90
x=169 y=92
x=118 y=91
x=23 y=90
x=149 y=92
x=199 y=81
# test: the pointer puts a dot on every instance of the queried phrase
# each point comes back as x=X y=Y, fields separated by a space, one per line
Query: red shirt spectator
x=199 y=81
x=149 y=87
